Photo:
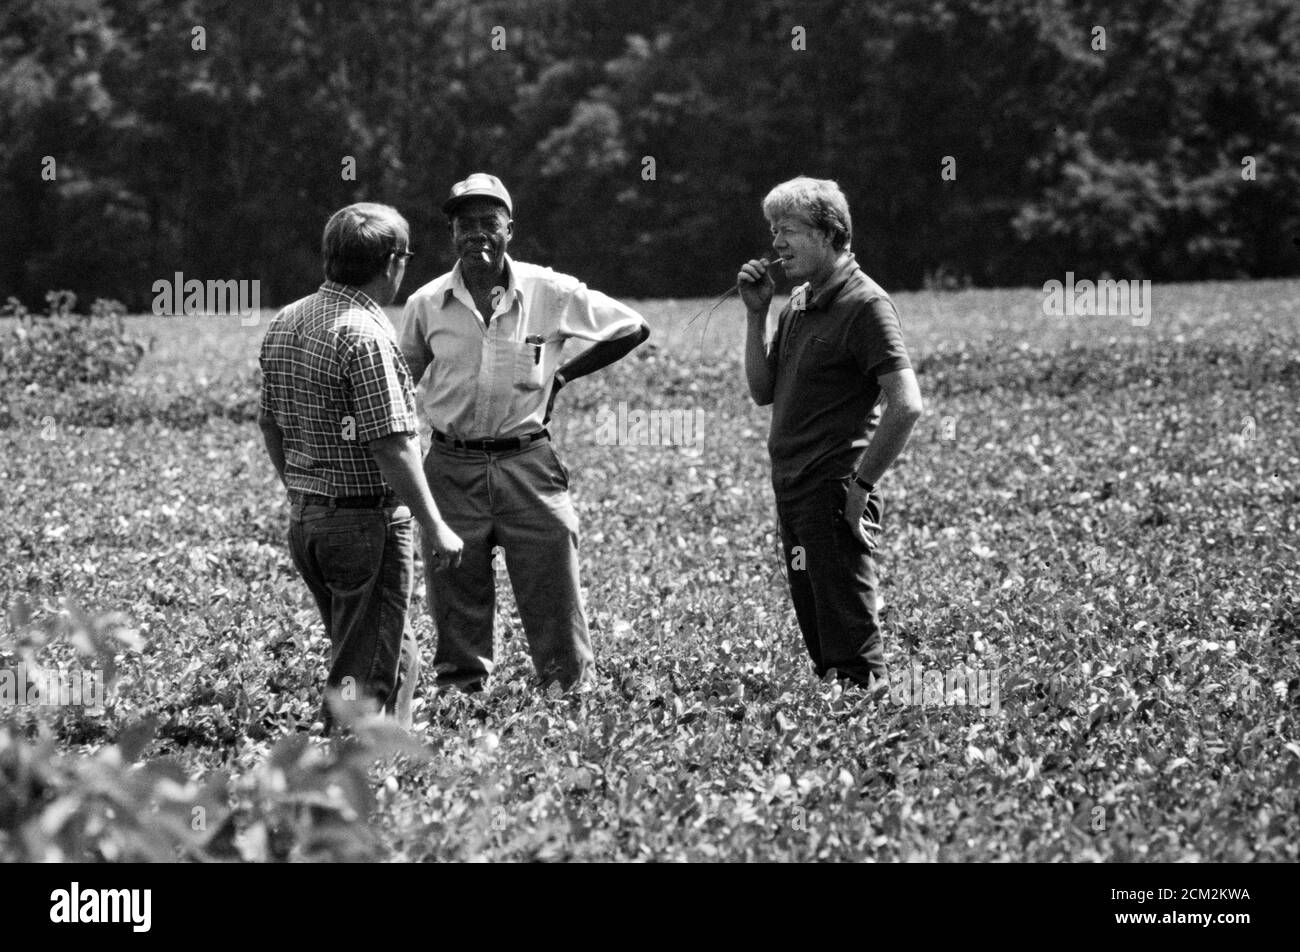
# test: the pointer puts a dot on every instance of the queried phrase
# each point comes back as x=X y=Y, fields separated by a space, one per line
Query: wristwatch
x=869 y=487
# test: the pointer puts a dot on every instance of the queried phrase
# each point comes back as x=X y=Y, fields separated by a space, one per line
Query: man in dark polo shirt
x=837 y=352
x=338 y=419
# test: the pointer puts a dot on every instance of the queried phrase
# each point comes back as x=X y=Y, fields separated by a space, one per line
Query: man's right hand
x=756 y=286
x=444 y=546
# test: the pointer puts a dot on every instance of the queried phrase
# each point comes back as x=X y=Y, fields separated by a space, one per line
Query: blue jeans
x=833 y=582
x=359 y=565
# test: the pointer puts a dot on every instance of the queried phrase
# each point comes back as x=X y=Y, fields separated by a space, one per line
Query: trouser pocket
x=870 y=519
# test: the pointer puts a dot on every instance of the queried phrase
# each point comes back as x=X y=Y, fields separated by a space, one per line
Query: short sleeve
x=266 y=360
x=875 y=338
x=591 y=315
x=381 y=398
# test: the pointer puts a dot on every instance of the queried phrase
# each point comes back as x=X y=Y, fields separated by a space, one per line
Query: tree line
x=990 y=142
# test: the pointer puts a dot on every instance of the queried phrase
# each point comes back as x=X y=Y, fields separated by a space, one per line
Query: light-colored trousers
x=520 y=501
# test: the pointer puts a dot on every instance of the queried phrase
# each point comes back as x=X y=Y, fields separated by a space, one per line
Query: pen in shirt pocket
x=537 y=340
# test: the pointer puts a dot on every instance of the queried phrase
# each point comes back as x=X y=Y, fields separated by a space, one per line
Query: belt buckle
x=495 y=444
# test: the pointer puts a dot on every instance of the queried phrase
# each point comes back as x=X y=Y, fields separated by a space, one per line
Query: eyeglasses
x=791 y=231
x=404 y=255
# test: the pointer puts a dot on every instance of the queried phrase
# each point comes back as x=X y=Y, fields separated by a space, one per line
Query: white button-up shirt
x=491 y=379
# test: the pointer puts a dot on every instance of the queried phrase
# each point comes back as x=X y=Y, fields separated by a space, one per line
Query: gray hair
x=819 y=201
x=358 y=240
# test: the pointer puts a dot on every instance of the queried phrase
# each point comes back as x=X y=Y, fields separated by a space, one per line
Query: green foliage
x=65 y=369
x=1154 y=181
x=1106 y=513
x=63 y=350
x=306 y=801
x=186 y=405
x=1127 y=159
x=309 y=801
x=57 y=807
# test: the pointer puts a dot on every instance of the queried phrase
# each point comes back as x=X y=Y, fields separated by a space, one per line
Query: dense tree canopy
x=144 y=137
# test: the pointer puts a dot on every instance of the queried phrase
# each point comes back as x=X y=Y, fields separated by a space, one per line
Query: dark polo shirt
x=827 y=360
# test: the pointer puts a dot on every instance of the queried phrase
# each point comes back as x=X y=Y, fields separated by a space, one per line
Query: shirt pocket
x=816 y=357
x=530 y=365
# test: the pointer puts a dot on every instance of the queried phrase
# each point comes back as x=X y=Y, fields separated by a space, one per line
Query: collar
x=834 y=284
x=353 y=296
x=456 y=282
x=360 y=300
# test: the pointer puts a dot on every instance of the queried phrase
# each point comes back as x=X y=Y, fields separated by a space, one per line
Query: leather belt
x=385 y=501
x=493 y=446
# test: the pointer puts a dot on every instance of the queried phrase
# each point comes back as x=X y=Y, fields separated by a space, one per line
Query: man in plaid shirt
x=338 y=418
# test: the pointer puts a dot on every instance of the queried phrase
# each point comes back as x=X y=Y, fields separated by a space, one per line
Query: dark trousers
x=360 y=567
x=833 y=582
x=519 y=500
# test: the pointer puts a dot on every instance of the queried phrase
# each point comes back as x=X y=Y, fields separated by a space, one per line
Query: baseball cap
x=478 y=185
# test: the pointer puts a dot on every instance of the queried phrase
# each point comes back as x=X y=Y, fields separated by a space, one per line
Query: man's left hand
x=855 y=509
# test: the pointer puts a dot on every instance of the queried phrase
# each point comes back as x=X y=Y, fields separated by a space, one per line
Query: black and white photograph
x=570 y=432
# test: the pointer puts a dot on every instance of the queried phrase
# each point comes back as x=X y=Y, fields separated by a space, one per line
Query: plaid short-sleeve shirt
x=334 y=379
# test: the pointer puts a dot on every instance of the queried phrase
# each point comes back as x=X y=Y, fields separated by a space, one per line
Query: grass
x=1104 y=514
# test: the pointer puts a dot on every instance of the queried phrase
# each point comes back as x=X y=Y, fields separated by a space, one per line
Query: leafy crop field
x=1096 y=522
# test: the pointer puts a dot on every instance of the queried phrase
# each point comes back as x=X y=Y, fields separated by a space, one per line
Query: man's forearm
x=758 y=371
x=398 y=459
x=603 y=354
x=886 y=444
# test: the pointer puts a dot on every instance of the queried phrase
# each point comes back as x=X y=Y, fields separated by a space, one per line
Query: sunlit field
x=1089 y=560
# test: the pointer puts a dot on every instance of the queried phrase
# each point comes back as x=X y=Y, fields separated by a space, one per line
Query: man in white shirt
x=491 y=333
